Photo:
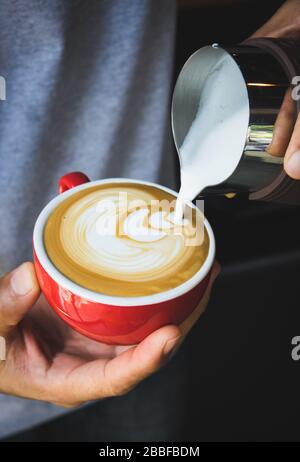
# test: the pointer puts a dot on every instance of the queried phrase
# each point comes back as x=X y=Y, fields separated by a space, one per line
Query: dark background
x=233 y=379
x=248 y=384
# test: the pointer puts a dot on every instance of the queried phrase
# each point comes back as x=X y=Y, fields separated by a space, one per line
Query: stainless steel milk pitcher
x=269 y=68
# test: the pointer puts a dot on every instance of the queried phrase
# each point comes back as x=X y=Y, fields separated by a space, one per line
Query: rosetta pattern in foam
x=124 y=240
x=106 y=233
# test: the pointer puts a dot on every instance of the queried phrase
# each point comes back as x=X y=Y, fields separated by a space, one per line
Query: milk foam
x=121 y=239
x=106 y=235
x=212 y=148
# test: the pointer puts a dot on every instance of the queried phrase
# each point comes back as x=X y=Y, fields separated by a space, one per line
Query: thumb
x=19 y=290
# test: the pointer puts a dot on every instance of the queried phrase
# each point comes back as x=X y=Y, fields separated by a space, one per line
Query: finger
x=188 y=323
x=292 y=156
x=268 y=31
x=103 y=378
x=100 y=378
x=284 y=126
x=281 y=24
x=18 y=292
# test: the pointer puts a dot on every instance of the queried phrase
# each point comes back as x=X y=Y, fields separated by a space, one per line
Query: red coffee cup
x=113 y=319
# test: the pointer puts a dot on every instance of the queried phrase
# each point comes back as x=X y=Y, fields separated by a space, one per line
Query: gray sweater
x=87 y=86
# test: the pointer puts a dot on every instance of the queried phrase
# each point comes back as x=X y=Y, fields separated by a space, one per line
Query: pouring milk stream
x=214 y=140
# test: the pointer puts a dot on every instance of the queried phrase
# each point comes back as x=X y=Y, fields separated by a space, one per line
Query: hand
x=46 y=360
x=286 y=137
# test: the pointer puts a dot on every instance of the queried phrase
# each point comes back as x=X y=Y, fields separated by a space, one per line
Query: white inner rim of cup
x=57 y=276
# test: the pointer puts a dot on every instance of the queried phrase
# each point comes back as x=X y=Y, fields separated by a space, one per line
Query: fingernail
x=21 y=281
x=293 y=165
x=171 y=345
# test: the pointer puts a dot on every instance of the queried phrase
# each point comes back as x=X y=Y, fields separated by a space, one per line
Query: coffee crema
x=122 y=239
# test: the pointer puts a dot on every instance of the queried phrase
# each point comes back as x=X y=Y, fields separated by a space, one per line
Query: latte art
x=122 y=239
